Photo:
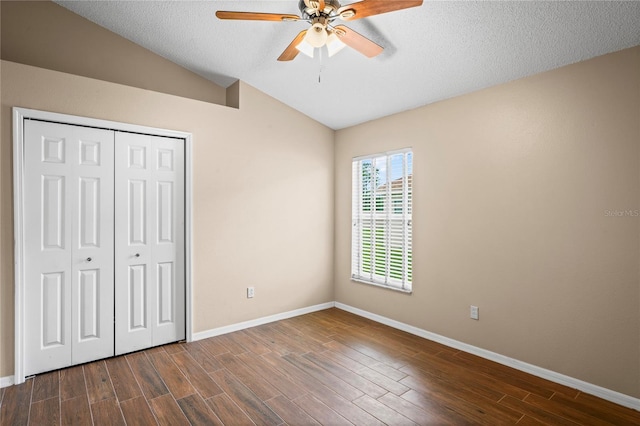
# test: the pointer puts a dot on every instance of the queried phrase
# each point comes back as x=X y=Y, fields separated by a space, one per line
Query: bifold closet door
x=68 y=245
x=149 y=263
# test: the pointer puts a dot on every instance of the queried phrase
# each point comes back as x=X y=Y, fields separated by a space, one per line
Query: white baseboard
x=6 y=381
x=604 y=393
x=259 y=321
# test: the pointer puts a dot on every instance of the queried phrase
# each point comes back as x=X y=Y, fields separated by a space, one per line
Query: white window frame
x=360 y=217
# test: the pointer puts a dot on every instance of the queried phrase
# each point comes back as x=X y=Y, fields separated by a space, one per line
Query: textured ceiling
x=433 y=52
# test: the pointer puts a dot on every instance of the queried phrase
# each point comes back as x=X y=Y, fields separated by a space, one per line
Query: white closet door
x=149 y=260
x=68 y=195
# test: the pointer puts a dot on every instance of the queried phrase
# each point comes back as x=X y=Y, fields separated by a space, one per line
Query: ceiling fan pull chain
x=321 y=66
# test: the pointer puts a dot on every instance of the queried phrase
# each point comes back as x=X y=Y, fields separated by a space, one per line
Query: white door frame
x=19 y=116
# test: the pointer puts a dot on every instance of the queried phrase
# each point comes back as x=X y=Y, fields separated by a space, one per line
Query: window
x=381 y=219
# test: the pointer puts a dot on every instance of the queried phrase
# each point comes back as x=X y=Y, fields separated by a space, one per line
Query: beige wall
x=263 y=192
x=511 y=188
x=45 y=35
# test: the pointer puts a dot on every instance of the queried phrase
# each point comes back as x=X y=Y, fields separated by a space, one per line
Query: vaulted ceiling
x=433 y=52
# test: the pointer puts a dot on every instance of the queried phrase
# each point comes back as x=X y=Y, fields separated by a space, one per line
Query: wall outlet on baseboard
x=474 y=312
x=251 y=291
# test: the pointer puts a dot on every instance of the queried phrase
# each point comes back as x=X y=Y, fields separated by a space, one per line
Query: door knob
x=88 y=259
x=137 y=254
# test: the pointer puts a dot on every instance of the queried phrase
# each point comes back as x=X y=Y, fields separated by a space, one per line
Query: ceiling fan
x=321 y=14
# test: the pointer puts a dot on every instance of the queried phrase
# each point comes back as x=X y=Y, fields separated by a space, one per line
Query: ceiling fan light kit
x=321 y=14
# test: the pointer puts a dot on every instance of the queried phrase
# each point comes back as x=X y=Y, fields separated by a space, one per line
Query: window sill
x=386 y=287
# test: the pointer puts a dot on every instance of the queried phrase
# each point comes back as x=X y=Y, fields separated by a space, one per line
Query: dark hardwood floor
x=328 y=367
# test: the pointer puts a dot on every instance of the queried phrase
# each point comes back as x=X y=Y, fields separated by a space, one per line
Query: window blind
x=381 y=219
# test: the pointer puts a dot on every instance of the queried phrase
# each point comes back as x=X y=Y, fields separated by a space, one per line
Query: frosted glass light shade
x=305 y=48
x=316 y=35
x=334 y=44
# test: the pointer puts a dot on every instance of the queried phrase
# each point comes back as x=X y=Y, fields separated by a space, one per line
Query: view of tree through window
x=381 y=215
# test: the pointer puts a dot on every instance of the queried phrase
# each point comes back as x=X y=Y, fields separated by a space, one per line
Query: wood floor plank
x=75 y=411
x=263 y=389
x=351 y=353
x=372 y=350
x=257 y=410
x=413 y=412
x=331 y=381
x=213 y=346
x=462 y=378
x=607 y=408
x=280 y=381
x=207 y=361
x=355 y=380
x=351 y=319
x=382 y=412
x=407 y=343
x=98 y=382
x=388 y=371
x=154 y=350
x=122 y=378
x=439 y=408
x=196 y=375
x=107 y=412
x=72 y=384
x=260 y=335
x=482 y=383
x=345 y=408
x=176 y=382
x=518 y=378
x=45 y=412
x=298 y=339
x=173 y=348
x=167 y=411
x=286 y=369
x=387 y=341
x=535 y=412
x=462 y=399
x=302 y=329
x=148 y=378
x=528 y=421
x=564 y=411
x=600 y=409
x=46 y=386
x=307 y=326
x=281 y=343
x=320 y=411
x=231 y=344
x=198 y=412
x=137 y=412
x=370 y=374
x=290 y=412
x=228 y=411
x=249 y=343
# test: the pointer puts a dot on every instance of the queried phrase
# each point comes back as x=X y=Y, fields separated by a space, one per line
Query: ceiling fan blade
x=291 y=52
x=365 y=8
x=255 y=16
x=358 y=42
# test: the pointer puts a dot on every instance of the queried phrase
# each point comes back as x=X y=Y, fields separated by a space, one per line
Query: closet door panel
x=92 y=235
x=149 y=241
x=134 y=220
x=168 y=256
x=69 y=309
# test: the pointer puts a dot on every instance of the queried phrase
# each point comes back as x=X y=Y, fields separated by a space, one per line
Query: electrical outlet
x=251 y=292
x=474 y=312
